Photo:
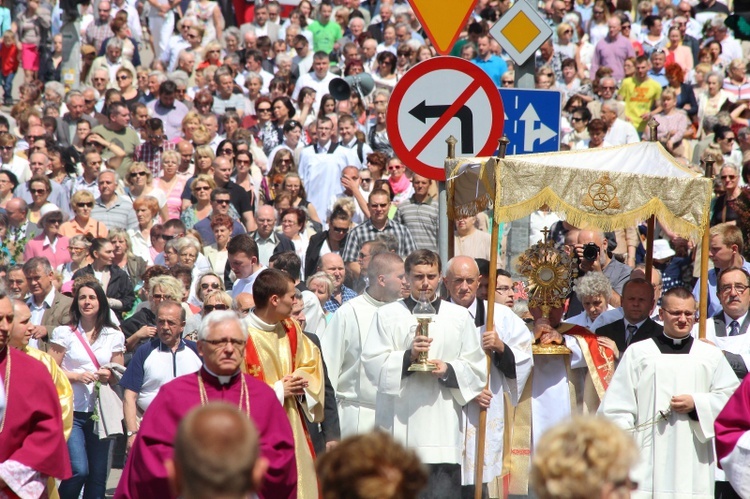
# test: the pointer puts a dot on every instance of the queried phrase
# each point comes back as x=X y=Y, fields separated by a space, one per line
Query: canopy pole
x=492 y=284
x=651 y=222
x=445 y=232
x=705 y=243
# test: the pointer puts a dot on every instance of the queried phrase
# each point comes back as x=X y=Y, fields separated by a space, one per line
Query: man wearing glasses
x=269 y=241
x=731 y=324
x=725 y=251
x=156 y=363
x=667 y=391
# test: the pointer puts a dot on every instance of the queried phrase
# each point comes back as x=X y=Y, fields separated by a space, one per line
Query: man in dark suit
x=731 y=324
x=269 y=242
x=49 y=308
x=637 y=301
x=376 y=30
x=66 y=124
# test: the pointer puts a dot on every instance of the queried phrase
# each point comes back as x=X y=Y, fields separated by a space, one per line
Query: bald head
x=22 y=328
x=216 y=453
x=387 y=277
x=243 y=302
x=333 y=265
x=462 y=280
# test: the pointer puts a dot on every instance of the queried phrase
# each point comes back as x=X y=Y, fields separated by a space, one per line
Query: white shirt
x=245 y=284
x=621 y=132
x=37 y=312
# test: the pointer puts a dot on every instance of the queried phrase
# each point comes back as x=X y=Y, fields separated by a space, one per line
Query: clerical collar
x=224 y=380
x=410 y=303
x=669 y=345
x=259 y=323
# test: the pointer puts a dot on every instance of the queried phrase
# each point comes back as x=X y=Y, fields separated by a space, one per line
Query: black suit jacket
x=329 y=429
x=736 y=361
x=376 y=31
x=616 y=331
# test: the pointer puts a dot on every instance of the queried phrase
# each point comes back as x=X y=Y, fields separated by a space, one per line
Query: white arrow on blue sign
x=532 y=120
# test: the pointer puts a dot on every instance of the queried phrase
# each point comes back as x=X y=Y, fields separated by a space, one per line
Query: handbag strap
x=87 y=347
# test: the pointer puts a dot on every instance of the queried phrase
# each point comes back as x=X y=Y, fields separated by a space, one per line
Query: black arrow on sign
x=422 y=112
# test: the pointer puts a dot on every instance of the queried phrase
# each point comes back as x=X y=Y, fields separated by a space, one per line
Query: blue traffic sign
x=532 y=119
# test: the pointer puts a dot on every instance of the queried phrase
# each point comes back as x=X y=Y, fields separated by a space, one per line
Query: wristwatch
x=131 y=433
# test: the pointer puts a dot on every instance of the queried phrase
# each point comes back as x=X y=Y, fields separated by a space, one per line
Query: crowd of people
x=220 y=225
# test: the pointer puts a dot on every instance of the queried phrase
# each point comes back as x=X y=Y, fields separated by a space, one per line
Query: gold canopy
x=606 y=188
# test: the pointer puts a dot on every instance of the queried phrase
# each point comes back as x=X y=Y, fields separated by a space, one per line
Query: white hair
x=219 y=317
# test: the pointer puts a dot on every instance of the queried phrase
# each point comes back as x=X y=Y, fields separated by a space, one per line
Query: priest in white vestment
x=422 y=410
x=344 y=337
x=509 y=344
x=668 y=391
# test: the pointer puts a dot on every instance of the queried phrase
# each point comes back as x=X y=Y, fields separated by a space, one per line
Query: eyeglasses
x=507 y=82
x=167 y=238
x=237 y=344
x=726 y=288
x=157 y=296
x=123 y=77
x=625 y=26
x=728 y=177
x=576 y=120
x=33 y=138
x=192 y=36
x=76 y=250
x=227 y=151
x=395 y=167
x=608 y=87
x=211 y=308
x=138 y=174
x=204 y=188
x=679 y=313
x=340 y=230
x=37 y=191
x=729 y=139
x=54 y=221
x=85 y=205
x=222 y=201
x=380 y=205
x=6 y=148
x=264 y=110
x=363 y=180
x=98 y=79
x=212 y=285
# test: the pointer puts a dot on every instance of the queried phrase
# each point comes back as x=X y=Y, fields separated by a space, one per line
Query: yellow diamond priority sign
x=521 y=31
x=443 y=20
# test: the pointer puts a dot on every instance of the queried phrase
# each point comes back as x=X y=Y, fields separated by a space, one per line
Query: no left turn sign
x=437 y=98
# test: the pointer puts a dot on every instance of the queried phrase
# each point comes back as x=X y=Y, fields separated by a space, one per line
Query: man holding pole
x=509 y=345
x=423 y=409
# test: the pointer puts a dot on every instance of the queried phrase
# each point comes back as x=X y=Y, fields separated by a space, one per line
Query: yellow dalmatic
x=64 y=392
x=277 y=350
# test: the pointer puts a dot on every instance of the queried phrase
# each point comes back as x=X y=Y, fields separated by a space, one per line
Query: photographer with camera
x=592 y=252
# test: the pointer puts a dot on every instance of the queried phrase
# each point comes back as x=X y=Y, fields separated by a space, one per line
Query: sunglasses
x=264 y=110
x=138 y=174
x=85 y=205
x=729 y=139
x=212 y=285
x=156 y=296
x=365 y=180
x=728 y=177
x=395 y=167
x=6 y=148
x=37 y=191
x=227 y=151
x=123 y=77
x=54 y=221
x=167 y=238
x=340 y=230
x=576 y=119
x=222 y=201
x=211 y=308
x=205 y=188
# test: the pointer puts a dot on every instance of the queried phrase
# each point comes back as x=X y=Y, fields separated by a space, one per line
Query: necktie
x=631 y=329
x=734 y=328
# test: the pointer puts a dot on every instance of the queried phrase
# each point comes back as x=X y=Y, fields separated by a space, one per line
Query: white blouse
x=76 y=359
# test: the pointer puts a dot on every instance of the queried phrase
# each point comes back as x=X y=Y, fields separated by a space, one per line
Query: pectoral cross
x=545 y=231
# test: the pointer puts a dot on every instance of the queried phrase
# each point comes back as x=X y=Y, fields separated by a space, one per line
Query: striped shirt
x=367 y=232
x=422 y=221
x=120 y=215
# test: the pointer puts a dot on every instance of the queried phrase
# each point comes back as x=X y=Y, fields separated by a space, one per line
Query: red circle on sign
x=478 y=77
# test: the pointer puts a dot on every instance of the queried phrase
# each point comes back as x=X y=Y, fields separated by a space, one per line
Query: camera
x=590 y=251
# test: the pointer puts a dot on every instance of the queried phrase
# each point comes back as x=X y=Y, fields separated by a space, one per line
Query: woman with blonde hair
x=211 y=55
x=146 y=210
x=220 y=300
x=139 y=181
x=81 y=203
x=293 y=185
x=583 y=458
x=322 y=286
x=171 y=183
x=598 y=25
x=78 y=246
x=201 y=189
x=190 y=124
x=124 y=258
x=128 y=86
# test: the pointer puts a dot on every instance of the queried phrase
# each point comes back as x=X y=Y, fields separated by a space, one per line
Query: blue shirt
x=154 y=364
x=494 y=66
x=346 y=294
x=660 y=77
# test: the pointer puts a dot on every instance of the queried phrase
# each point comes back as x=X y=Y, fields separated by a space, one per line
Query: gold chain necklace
x=7 y=388
x=244 y=395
